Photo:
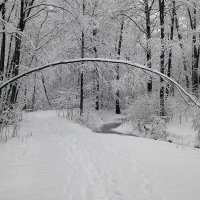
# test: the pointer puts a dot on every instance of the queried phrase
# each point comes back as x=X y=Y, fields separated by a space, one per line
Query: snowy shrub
x=196 y=127
x=66 y=103
x=9 y=122
x=156 y=128
x=71 y=113
x=91 y=120
x=145 y=117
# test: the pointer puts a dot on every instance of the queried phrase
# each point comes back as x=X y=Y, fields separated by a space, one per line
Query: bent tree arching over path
x=182 y=91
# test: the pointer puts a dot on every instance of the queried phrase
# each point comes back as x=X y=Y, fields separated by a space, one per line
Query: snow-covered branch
x=50 y=6
x=104 y=60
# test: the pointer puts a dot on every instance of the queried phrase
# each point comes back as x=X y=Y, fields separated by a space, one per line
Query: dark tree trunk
x=97 y=90
x=162 y=56
x=16 y=55
x=118 y=111
x=81 y=73
x=14 y=68
x=148 y=37
x=34 y=94
x=45 y=90
x=8 y=70
x=96 y=74
x=171 y=38
x=3 y=45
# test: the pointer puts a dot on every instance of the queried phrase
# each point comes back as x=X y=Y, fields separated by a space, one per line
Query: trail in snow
x=62 y=160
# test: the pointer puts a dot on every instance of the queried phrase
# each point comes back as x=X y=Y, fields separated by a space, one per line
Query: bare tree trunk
x=171 y=38
x=3 y=44
x=81 y=73
x=81 y=77
x=14 y=68
x=148 y=37
x=16 y=55
x=118 y=111
x=8 y=70
x=162 y=56
x=34 y=93
x=96 y=74
x=45 y=90
x=195 y=51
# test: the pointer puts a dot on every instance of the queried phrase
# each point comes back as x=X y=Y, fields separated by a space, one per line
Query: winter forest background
x=99 y=99
x=163 y=35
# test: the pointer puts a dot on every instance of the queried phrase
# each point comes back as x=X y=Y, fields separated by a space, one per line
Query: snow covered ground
x=55 y=159
x=180 y=131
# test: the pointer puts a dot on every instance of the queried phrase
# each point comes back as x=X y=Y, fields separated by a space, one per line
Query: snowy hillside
x=55 y=159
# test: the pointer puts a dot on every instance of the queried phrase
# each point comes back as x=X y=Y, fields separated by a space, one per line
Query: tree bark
x=117 y=110
x=3 y=44
x=195 y=51
x=96 y=74
x=16 y=55
x=45 y=90
x=171 y=38
x=148 y=37
x=162 y=56
x=82 y=56
x=14 y=65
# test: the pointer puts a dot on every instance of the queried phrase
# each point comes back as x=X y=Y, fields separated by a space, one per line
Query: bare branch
x=48 y=5
x=141 y=29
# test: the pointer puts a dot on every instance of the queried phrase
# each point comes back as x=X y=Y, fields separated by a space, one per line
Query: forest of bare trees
x=163 y=35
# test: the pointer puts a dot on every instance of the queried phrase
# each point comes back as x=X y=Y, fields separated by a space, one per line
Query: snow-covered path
x=64 y=161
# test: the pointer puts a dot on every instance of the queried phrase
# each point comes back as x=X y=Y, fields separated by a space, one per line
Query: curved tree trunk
x=190 y=99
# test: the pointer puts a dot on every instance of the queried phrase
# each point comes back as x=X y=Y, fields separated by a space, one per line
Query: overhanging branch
x=104 y=60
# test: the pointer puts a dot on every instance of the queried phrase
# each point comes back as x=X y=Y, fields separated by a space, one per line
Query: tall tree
x=195 y=49
x=148 y=7
x=82 y=56
x=15 y=62
x=118 y=111
x=162 y=55
x=171 y=37
x=3 y=41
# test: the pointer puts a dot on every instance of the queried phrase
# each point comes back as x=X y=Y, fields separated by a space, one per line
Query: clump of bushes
x=196 y=126
x=9 y=121
x=145 y=118
x=90 y=119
